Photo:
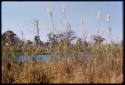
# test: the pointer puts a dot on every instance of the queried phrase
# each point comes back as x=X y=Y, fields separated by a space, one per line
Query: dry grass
x=104 y=66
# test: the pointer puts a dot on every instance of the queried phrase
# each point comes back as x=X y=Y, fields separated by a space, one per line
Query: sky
x=19 y=16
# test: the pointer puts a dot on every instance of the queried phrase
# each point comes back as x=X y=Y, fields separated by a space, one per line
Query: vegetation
x=81 y=62
x=104 y=65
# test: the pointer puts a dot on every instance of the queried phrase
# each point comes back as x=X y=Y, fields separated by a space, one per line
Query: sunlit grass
x=104 y=65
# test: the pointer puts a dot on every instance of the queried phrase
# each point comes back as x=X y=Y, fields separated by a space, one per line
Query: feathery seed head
x=49 y=12
x=82 y=22
x=63 y=8
x=108 y=18
x=98 y=15
x=67 y=24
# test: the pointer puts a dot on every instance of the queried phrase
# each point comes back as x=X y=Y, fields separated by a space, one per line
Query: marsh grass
x=103 y=66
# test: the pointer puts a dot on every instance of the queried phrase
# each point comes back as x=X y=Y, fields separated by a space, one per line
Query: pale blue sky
x=17 y=16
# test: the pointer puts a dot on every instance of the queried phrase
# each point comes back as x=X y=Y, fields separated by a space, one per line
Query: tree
x=10 y=38
x=79 y=41
x=98 y=39
x=52 y=37
x=36 y=26
x=69 y=36
x=38 y=41
x=66 y=37
x=29 y=42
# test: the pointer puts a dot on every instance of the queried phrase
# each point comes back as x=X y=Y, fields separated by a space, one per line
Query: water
x=25 y=58
x=45 y=57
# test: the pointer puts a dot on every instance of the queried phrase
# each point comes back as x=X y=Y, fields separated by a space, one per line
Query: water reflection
x=53 y=57
x=25 y=58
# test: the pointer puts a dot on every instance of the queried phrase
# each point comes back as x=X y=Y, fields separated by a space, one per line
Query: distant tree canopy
x=98 y=39
x=10 y=38
x=29 y=42
x=79 y=41
x=61 y=37
x=52 y=37
x=37 y=40
x=69 y=35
